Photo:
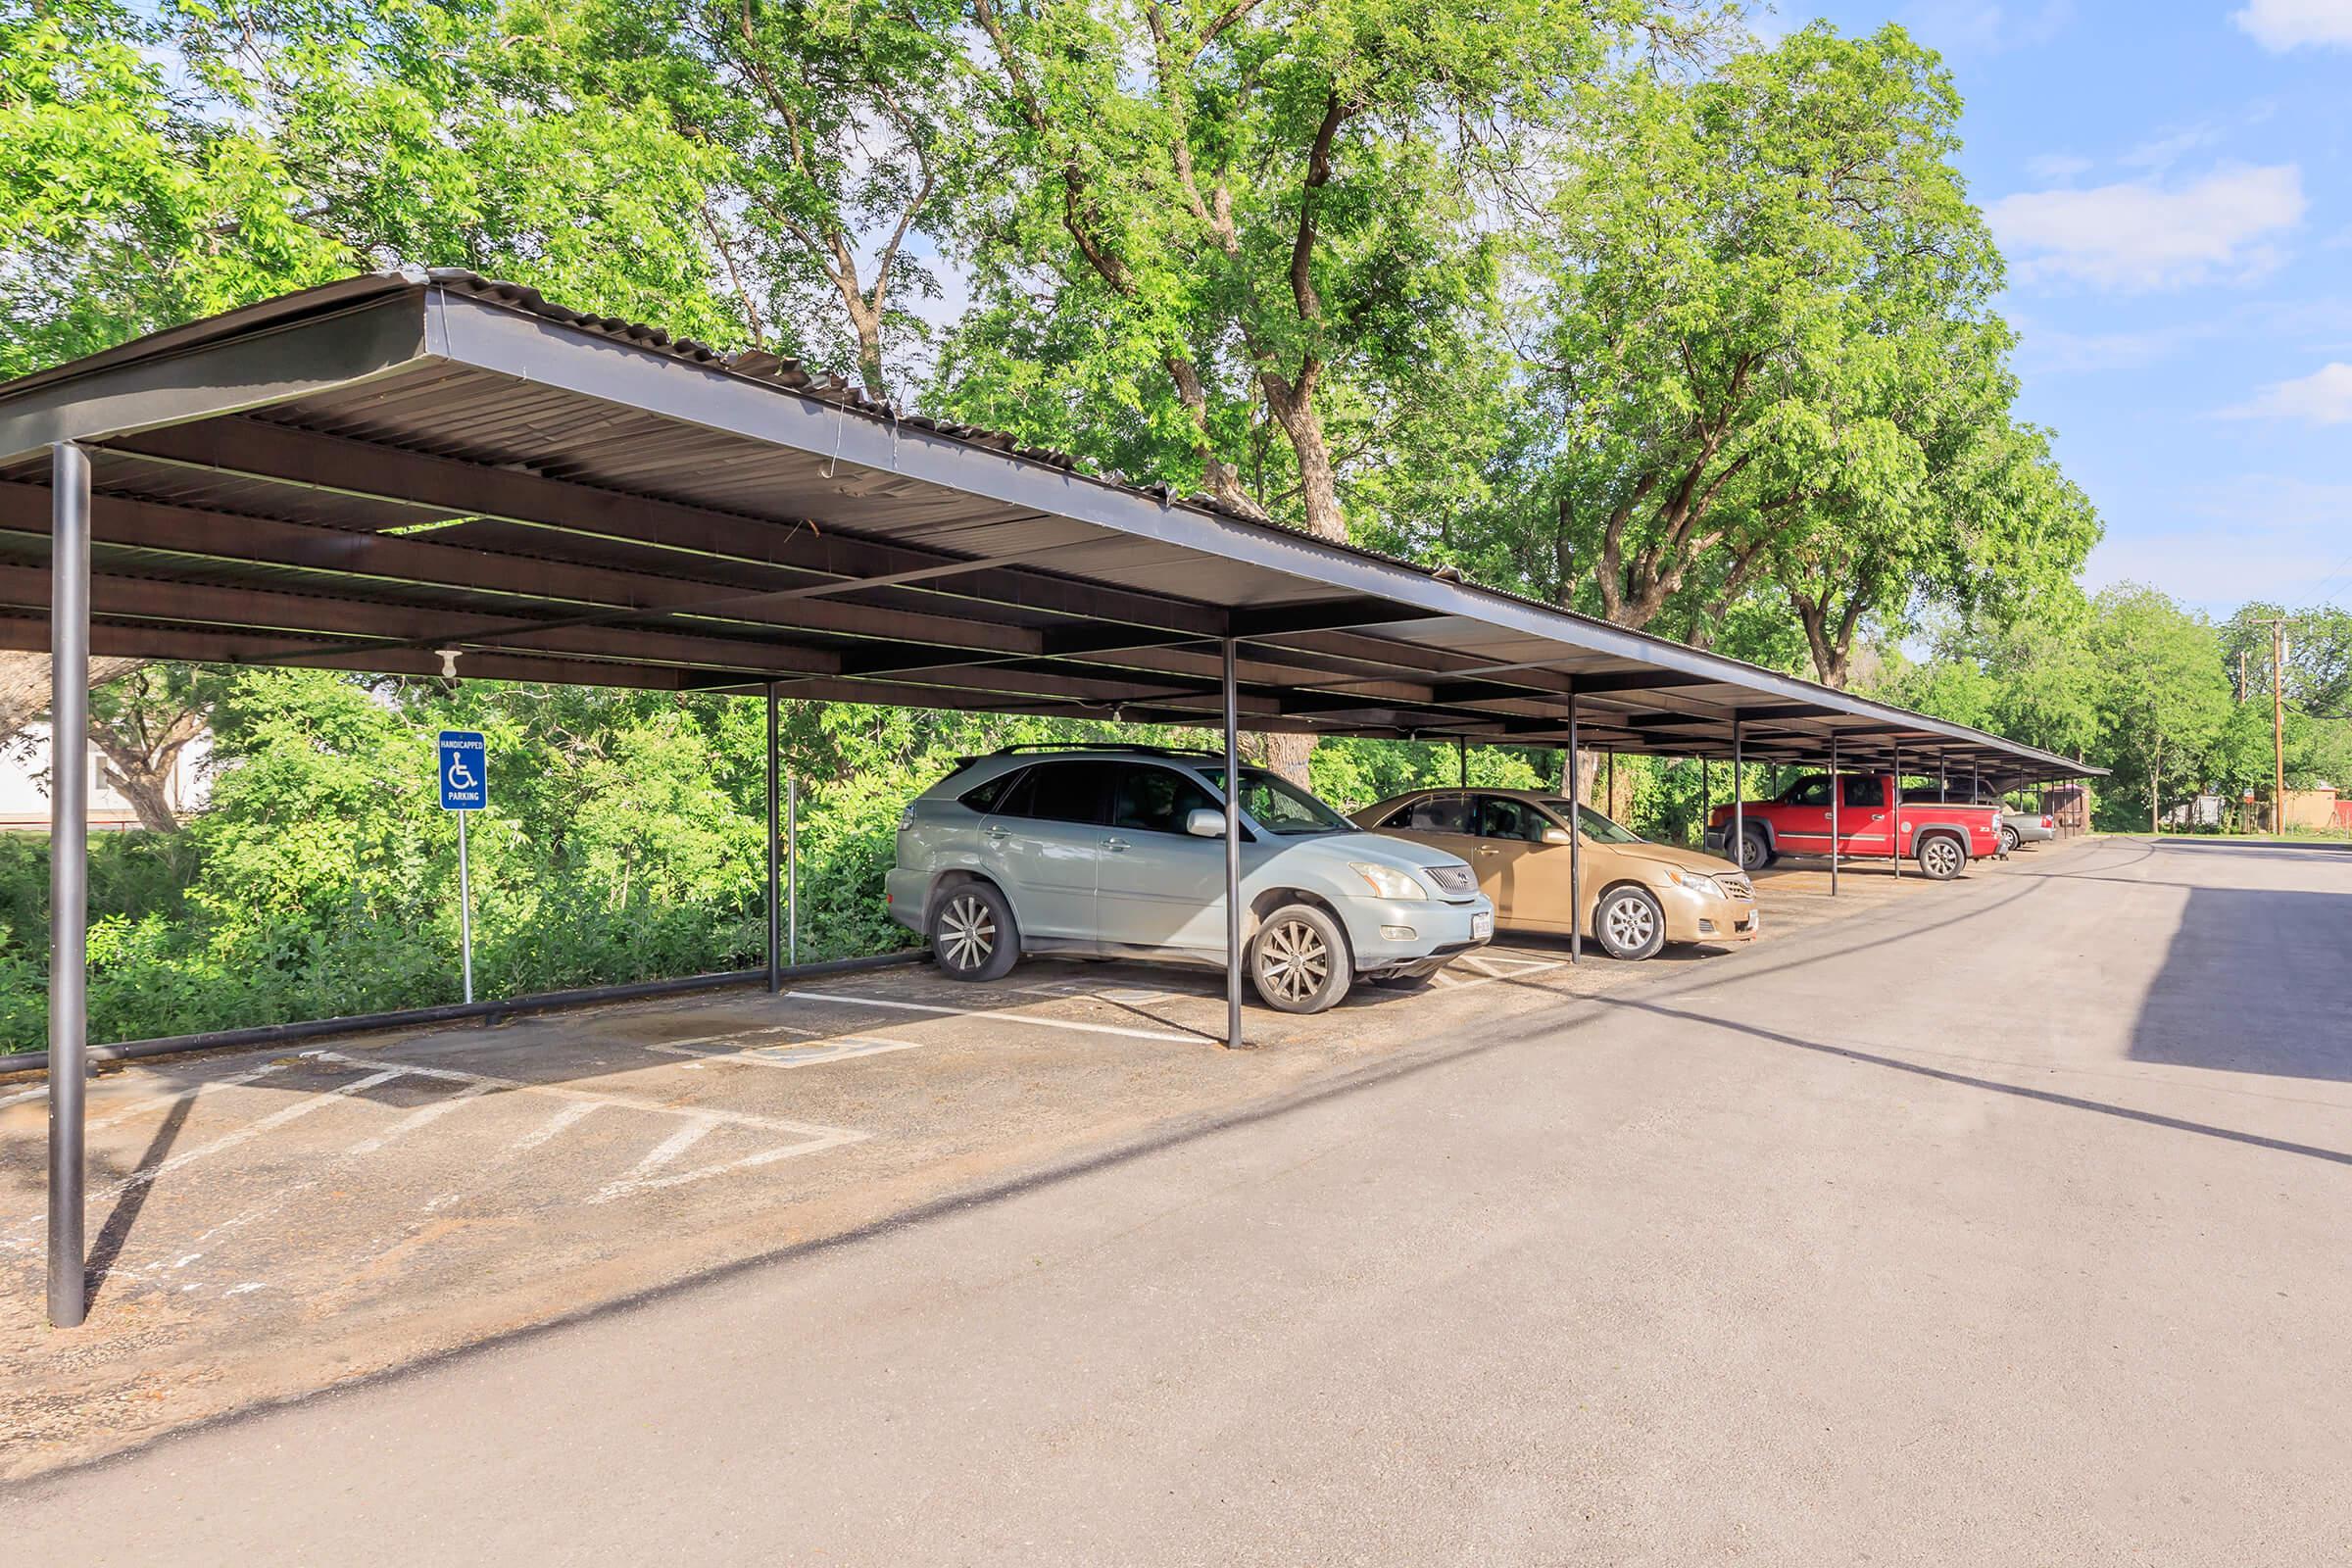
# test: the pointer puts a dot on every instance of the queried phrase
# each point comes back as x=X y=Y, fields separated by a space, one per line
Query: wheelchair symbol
x=460 y=777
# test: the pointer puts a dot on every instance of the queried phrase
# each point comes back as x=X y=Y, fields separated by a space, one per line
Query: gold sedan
x=1638 y=896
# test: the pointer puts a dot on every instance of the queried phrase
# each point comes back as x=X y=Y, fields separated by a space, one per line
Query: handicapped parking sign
x=465 y=770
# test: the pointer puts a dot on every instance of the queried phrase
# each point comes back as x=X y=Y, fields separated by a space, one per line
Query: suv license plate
x=1482 y=927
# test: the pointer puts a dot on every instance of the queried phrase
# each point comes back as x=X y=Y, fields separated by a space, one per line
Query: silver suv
x=1119 y=852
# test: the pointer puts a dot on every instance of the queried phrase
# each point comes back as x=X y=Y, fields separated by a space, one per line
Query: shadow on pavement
x=2256 y=980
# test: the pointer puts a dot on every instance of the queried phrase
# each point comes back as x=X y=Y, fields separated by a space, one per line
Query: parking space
x=268 y=1223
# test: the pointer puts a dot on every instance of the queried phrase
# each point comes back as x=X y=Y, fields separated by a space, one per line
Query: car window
x=983 y=798
x=1438 y=813
x=1155 y=800
x=1501 y=817
x=1865 y=789
x=1599 y=829
x=1807 y=792
x=1057 y=791
x=1280 y=807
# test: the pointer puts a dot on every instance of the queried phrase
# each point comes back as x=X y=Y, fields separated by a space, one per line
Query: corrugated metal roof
x=325 y=478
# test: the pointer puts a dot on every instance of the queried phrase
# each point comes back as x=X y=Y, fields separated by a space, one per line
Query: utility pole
x=2278 y=727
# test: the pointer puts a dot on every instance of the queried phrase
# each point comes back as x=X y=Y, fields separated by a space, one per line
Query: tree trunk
x=149 y=796
x=2155 y=796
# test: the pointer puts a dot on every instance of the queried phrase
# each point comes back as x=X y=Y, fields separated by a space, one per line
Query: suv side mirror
x=1204 y=822
x=1555 y=835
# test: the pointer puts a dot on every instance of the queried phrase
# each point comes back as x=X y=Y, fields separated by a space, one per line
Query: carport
x=427 y=472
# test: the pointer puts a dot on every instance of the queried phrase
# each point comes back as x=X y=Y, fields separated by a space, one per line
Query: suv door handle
x=1487 y=849
x=995 y=835
x=1114 y=846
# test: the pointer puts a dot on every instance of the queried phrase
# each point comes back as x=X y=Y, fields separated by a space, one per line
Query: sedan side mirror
x=1204 y=822
x=1555 y=835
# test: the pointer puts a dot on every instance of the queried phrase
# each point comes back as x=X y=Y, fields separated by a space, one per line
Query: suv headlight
x=1387 y=881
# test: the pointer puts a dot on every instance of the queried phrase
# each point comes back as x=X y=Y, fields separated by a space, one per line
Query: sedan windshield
x=1280 y=807
x=1599 y=829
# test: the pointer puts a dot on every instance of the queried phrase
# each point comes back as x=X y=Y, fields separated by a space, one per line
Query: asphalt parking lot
x=268 y=1223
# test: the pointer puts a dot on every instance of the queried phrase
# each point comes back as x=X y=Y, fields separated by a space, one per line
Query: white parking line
x=231 y=1081
x=994 y=1016
x=578 y=1111
x=815 y=1053
x=245 y=1134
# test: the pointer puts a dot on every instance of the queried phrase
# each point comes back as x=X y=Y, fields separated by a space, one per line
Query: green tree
x=1769 y=352
x=2163 y=701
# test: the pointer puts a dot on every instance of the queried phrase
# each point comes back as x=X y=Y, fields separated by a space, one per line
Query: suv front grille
x=1453 y=878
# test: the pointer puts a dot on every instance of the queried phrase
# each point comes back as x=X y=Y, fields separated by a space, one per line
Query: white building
x=25 y=791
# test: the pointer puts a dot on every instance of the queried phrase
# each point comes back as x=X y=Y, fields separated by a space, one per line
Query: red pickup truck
x=1942 y=837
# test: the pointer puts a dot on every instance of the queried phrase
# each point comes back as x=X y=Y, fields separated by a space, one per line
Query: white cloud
x=2143 y=234
x=1985 y=26
x=2248 y=537
x=2323 y=397
x=2054 y=351
x=2282 y=25
x=2057 y=168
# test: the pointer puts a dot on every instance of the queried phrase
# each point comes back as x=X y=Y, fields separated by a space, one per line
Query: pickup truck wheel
x=1628 y=923
x=1299 y=960
x=1755 y=849
x=1942 y=857
x=2008 y=839
x=973 y=933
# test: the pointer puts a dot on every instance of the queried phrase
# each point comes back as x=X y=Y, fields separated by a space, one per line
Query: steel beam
x=1575 y=843
x=1233 y=857
x=68 y=875
x=775 y=967
x=363 y=471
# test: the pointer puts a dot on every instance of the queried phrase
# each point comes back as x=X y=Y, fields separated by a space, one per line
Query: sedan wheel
x=2009 y=839
x=1630 y=924
x=1299 y=960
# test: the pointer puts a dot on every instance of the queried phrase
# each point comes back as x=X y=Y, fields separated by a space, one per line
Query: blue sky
x=2172 y=182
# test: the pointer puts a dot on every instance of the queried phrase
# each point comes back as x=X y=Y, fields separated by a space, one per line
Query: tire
x=1628 y=923
x=2009 y=839
x=1299 y=960
x=1755 y=849
x=974 y=935
x=1942 y=857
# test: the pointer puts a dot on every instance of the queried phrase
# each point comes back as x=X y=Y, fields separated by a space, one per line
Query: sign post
x=465 y=769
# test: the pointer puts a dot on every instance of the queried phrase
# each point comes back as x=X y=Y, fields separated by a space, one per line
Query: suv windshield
x=1280 y=807
x=1599 y=829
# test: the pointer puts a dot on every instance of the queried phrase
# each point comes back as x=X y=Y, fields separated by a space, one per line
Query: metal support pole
x=464 y=908
x=1576 y=842
x=1233 y=860
x=1836 y=790
x=775 y=908
x=1608 y=808
x=69 y=872
x=1705 y=796
x=1895 y=812
x=1461 y=755
x=1739 y=843
x=792 y=871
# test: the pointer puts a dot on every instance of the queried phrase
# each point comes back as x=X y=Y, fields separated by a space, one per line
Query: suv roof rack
x=1097 y=746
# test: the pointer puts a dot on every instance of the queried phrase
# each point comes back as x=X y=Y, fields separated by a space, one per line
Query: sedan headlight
x=1387 y=881
x=1695 y=881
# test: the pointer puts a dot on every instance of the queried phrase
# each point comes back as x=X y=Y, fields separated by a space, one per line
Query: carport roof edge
x=357 y=474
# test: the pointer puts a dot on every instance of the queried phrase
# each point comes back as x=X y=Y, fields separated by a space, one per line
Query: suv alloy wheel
x=973 y=933
x=1299 y=960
